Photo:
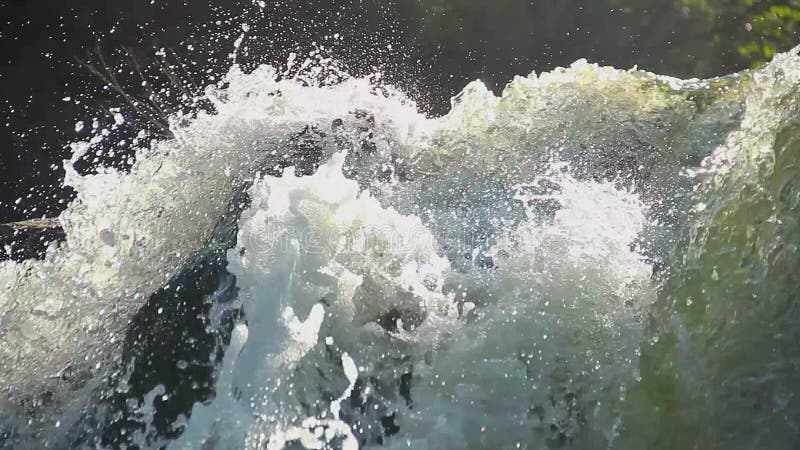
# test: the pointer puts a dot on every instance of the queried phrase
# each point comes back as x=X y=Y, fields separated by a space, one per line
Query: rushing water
x=597 y=258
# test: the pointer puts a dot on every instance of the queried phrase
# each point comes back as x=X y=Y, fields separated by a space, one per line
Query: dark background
x=430 y=48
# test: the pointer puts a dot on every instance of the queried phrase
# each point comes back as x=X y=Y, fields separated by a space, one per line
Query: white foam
x=493 y=279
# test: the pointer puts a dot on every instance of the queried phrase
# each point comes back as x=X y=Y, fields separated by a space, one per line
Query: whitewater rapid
x=595 y=258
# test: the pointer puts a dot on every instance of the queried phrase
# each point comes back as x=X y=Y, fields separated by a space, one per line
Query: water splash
x=588 y=257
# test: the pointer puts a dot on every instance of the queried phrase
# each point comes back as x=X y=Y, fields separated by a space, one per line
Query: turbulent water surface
x=597 y=258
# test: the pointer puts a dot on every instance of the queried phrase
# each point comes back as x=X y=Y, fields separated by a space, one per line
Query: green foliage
x=684 y=38
x=751 y=30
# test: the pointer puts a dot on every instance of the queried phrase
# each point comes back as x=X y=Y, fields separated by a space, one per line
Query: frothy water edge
x=544 y=269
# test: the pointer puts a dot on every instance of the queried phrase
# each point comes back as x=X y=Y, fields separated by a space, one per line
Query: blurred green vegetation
x=727 y=34
x=751 y=30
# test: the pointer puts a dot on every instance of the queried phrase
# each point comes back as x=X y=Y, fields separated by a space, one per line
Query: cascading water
x=597 y=258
